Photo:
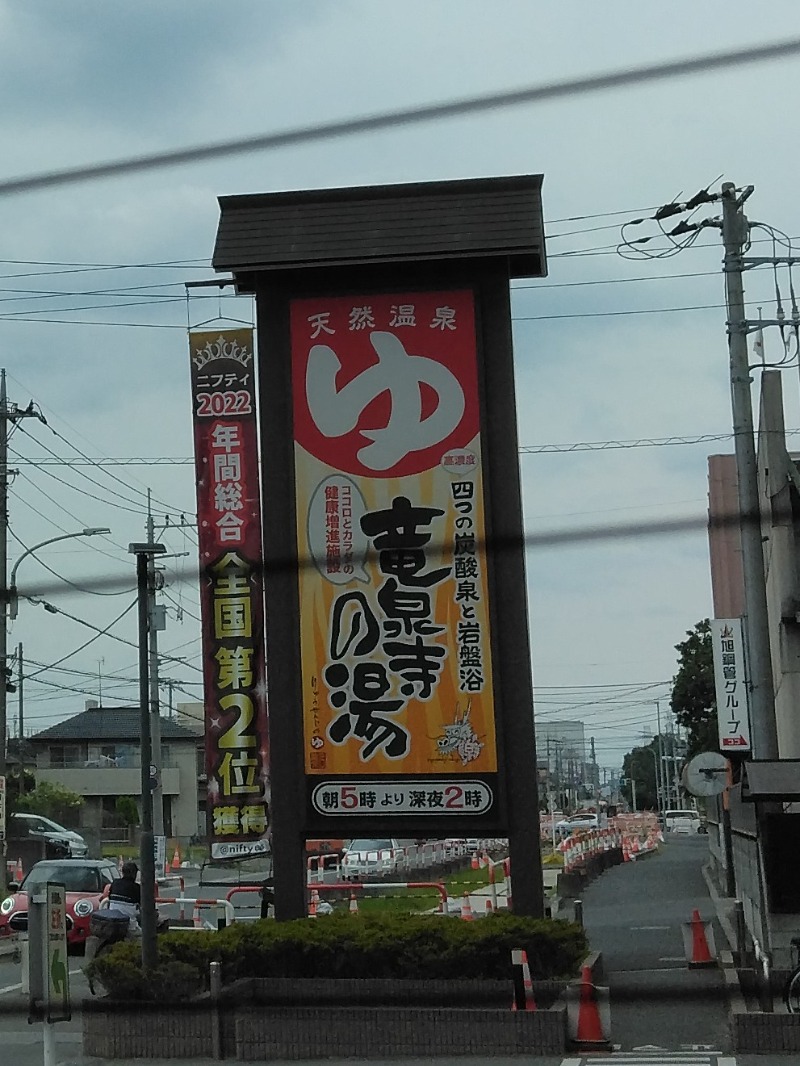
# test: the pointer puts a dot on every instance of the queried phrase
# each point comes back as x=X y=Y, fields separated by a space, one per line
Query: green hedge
x=407 y=946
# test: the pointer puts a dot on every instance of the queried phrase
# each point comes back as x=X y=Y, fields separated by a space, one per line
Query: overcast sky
x=94 y=309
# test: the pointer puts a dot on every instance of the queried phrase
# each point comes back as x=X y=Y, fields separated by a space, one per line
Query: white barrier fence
x=321 y=869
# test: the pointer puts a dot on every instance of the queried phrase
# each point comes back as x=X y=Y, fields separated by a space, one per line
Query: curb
x=716 y=899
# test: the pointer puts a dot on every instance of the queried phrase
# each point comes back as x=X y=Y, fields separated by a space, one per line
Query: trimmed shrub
x=421 y=947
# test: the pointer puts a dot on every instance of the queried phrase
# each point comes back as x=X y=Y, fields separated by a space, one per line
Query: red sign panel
x=231 y=590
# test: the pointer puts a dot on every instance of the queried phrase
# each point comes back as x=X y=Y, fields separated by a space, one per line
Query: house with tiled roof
x=97 y=754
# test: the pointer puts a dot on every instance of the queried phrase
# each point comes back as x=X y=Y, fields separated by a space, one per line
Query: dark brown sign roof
x=443 y=220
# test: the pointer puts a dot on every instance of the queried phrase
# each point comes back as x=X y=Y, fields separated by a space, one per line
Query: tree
x=52 y=801
x=126 y=810
x=639 y=765
x=694 y=701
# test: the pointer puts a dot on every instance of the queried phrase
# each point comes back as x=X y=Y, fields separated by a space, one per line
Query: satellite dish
x=706 y=774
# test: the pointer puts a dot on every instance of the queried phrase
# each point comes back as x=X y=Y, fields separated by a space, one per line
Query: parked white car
x=576 y=822
x=371 y=857
x=22 y=825
x=683 y=822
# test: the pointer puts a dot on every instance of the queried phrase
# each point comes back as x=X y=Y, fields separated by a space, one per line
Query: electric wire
x=133 y=506
x=143 y=490
x=146 y=493
x=370 y=123
x=91 y=640
x=37 y=511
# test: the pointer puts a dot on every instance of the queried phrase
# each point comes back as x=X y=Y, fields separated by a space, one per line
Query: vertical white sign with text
x=730 y=682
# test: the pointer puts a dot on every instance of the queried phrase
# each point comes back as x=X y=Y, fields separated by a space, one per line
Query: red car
x=85 y=881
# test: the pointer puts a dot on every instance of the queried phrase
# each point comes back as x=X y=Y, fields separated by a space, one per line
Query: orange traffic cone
x=312 y=906
x=701 y=954
x=590 y=1028
x=353 y=903
x=489 y=908
x=466 y=909
x=19 y=873
x=530 y=1000
x=167 y=868
x=475 y=862
x=176 y=858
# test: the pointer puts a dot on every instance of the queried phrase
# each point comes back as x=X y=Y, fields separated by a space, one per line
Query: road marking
x=654 y=969
x=655 y=1057
x=648 y=928
x=30 y=1037
x=18 y=986
x=673 y=958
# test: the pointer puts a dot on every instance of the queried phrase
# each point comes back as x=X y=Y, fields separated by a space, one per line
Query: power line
x=90 y=268
x=76 y=432
x=514 y=318
x=525 y=449
x=146 y=493
x=551 y=538
x=91 y=640
x=620 y=684
x=613 y=281
x=136 y=507
x=11 y=315
x=535 y=94
x=51 y=522
x=636 y=442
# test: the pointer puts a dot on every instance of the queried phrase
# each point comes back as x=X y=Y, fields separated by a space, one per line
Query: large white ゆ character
x=336 y=412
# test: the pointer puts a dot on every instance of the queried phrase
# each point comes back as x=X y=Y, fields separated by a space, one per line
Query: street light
x=8 y=608
x=144 y=553
x=659 y=799
x=13 y=599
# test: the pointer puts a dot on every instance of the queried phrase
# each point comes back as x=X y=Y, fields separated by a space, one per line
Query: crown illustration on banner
x=222 y=349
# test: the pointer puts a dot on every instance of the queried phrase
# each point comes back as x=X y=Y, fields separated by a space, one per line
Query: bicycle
x=791 y=990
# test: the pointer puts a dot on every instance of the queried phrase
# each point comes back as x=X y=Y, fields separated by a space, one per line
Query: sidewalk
x=634 y=914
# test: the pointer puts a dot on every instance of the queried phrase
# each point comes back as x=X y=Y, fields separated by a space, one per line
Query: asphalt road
x=634 y=914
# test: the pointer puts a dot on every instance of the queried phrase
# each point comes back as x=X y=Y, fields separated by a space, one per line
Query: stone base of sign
x=301 y=1019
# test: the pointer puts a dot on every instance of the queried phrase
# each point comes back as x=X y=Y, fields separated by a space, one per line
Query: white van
x=684 y=822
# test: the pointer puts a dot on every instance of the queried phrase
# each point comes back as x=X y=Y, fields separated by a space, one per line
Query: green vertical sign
x=56 y=976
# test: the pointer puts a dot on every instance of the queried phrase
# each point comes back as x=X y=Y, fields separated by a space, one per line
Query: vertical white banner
x=730 y=682
x=56 y=976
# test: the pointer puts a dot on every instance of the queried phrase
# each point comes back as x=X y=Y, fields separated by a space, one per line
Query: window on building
x=67 y=756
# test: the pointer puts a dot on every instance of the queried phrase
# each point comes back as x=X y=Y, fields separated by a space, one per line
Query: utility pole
x=9 y=412
x=155 y=705
x=663 y=802
x=146 y=843
x=735 y=236
x=21 y=720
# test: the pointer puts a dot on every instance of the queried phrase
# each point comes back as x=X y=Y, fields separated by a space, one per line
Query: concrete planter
x=759 y=1033
x=296 y=1019
x=755 y=1030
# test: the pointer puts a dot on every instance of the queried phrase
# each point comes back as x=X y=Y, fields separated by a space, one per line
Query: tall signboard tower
x=398 y=662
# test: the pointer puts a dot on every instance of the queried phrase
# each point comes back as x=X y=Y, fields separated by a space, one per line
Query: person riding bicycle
x=125 y=893
x=117 y=917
